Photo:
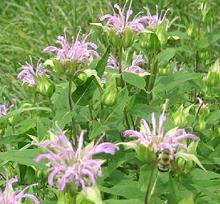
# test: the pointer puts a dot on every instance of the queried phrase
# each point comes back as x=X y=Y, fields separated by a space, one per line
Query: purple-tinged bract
x=9 y=196
x=67 y=165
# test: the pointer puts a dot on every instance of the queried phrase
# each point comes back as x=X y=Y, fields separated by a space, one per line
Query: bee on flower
x=165 y=145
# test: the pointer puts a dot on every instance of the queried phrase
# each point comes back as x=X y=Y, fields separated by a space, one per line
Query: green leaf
x=124 y=188
x=165 y=56
x=129 y=201
x=85 y=93
x=134 y=80
x=100 y=67
x=22 y=110
x=60 y=96
x=188 y=199
x=213 y=117
x=97 y=129
x=174 y=81
x=25 y=157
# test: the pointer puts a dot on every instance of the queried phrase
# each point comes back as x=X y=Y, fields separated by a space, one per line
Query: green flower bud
x=165 y=71
x=55 y=65
x=44 y=86
x=114 y=38
x=150 y=41
x=81 y=79
x=128 y=38
x=162 y=34
x=202 y=125
x=109 y=96
x=180 y=116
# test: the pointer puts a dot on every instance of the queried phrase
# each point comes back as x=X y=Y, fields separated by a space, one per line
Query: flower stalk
x=151 y=184
x=73 y=127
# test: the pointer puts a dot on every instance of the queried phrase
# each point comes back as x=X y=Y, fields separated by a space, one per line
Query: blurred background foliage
x=27 y=26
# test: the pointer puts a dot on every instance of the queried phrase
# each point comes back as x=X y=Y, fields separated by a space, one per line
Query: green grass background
x=27 y=26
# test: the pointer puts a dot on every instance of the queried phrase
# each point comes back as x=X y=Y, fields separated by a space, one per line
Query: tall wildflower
x=78 y=50
x=157 y=140
x=29 y=74
x=9 y=196
x=133 y=68
x=68 y=165
x=153 y=21
x=121 y=20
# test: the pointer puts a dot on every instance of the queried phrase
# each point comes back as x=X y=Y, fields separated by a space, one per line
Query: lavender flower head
x=67 y=165
x=9 y=196
x=133 y=68
x=157 y=139
x=3 y=110
x=28 y=73
x=153 y=21
x=120 y=20
x=78 y=50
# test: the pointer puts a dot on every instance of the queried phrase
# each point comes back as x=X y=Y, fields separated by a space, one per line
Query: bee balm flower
x=133 y=68
x=78 y=50
x=157 y=139
x=9 y=196
x=29 y=74
x=67 y=165
x=120 y=20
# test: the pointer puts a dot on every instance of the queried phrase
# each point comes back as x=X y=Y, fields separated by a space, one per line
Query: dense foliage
x=122 y=108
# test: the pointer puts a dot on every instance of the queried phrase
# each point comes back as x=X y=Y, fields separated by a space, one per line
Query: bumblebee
x=164 y=162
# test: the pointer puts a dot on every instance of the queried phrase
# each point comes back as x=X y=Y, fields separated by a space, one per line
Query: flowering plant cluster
x=67 y=165
x=84 y=129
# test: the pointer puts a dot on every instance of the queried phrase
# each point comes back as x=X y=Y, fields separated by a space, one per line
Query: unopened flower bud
x=81 y=79
x=45 y=87
x=150 y=41
x=114 y=38
x=165 y=71
x=162 y=35
x=109 y=96
x=180 y=116
x=127 y=39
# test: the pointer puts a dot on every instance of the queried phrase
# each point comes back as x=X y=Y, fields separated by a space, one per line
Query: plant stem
x=120 y=52
x=150 y=85
x=120 y=66
x=71 y=110
x=151 y=185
